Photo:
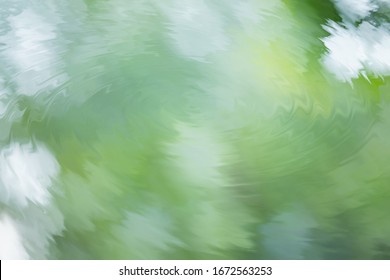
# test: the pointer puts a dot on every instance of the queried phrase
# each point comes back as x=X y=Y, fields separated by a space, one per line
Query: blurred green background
x=193 y=130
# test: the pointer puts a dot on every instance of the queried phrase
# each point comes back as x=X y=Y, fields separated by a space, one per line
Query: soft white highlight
x=196 y=29
x=32 y=54
x=346 y=53
x=26 y=173
x=11 y=246
x=355 y=51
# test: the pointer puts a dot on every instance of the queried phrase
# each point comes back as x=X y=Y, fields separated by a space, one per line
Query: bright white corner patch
x=26 y=173
x=11 y=246
x=355 y=51
x=358 y=49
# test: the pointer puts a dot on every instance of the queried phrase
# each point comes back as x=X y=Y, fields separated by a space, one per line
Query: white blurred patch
x=196 y=28
x=26 y=174
x=246 y=13
x=340 y=59
x=355 y=51
x=11 y=246
x=30 y=51
x=355 y=9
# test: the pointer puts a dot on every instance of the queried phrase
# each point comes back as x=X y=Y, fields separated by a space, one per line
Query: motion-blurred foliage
x=194 y=129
